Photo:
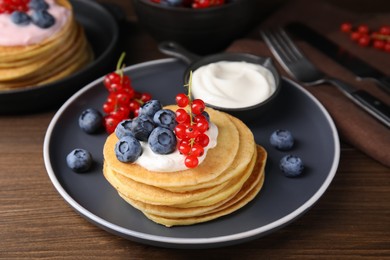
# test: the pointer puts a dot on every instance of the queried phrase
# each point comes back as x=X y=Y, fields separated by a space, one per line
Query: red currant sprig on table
x=364 y=36
x=191 y=127
x=9 y=6
x=123 y=102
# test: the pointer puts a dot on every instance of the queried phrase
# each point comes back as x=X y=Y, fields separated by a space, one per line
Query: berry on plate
x=91 y=121
x=142 y=126
x=124 y=128
x=20 y=18
x=191 y=127
x=128 y=149
x=42 y=19
x=79 y=160
x=123 y=102
x=38 y=5
x=165 y=118
x=291 y=165
x=162 y=140
x=150 y=108
x=282 y=139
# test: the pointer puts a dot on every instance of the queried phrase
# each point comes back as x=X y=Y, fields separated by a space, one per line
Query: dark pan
x=103 y=34
x=194 y=62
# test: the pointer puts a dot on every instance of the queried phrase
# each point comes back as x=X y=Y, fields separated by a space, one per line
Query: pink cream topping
x=16 y=35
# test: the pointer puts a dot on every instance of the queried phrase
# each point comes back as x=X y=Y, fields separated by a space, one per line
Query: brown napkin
x=355 y=126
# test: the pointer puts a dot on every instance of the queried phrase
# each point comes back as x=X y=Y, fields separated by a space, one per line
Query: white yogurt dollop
x=174 y=161
x=232 y=84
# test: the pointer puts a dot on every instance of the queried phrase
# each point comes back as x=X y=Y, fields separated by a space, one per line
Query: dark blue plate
x=280 y=201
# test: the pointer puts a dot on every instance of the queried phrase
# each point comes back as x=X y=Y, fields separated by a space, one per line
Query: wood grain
x=351 y=220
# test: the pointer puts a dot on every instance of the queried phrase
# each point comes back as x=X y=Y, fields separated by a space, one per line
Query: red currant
x=379 y=44
x=346 y=27
x=202 y=139
x=182 y=116
x=192 y=132
x=384 y=30
x=202 y=124
x=363 y=29
x=387 y=47
x=364 y=40
x=355 y=36
x=125 y=81
x=184 y=147
x=180 y=131
x=197 y=106
x=134 y=105
x=197 y=150
x=145 y=97
x=110 y=123
x=191 y=161
x=135 y=112
x=182 y=100
x=108 y=107
x=111 y=78
x=123 y=98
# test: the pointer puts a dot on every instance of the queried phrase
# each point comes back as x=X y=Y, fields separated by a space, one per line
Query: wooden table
x=351 y=220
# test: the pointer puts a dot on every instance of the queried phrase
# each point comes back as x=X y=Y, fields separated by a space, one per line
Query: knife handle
x=372 y=105
x=365 y=100
x=384 y=83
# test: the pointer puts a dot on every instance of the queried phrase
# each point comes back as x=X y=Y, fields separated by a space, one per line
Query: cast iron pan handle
x=176 y=50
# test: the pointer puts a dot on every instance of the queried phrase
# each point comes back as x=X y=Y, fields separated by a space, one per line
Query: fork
x=299 y=67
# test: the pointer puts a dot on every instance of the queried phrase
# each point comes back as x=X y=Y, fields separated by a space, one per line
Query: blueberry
x=38 y=5
x=165 y=118
x=282 y=140
x=91 y=121
x=162 y=140
x=20 y=18
x=128 y=149
x=124 y=128
x=142 y=126
x=150 y=108
x=79 y=160
x=42 y=19
x=291 y=165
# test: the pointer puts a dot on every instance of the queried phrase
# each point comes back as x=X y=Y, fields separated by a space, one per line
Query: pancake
x=231 y=175
x=54 y=58
x=245 y=195
x=179 y=212
x=216 y=162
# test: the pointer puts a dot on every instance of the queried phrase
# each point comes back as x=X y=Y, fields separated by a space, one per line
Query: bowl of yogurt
x=241 y=84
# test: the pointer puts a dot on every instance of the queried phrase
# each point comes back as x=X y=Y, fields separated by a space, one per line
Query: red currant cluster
x=364 y=36
x=196 y=4
x=123 y=102
x=9 y=6
x=191 y=129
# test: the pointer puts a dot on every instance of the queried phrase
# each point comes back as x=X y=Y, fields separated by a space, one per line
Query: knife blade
x=361 y=69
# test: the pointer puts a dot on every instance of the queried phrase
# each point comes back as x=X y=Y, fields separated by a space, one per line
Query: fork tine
x=290 y=45
x=275 y=46
x=281 y=45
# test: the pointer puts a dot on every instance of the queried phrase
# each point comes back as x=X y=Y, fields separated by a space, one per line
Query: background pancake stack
x=231 y=175
x=56 y=57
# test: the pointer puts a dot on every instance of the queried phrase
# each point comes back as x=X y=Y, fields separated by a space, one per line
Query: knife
x=360 y=68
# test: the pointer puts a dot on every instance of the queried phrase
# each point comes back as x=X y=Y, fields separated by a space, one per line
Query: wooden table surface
x=351 y=220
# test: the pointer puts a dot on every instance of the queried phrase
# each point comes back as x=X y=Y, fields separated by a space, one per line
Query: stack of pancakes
x=56 y=57
x=231 y=175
